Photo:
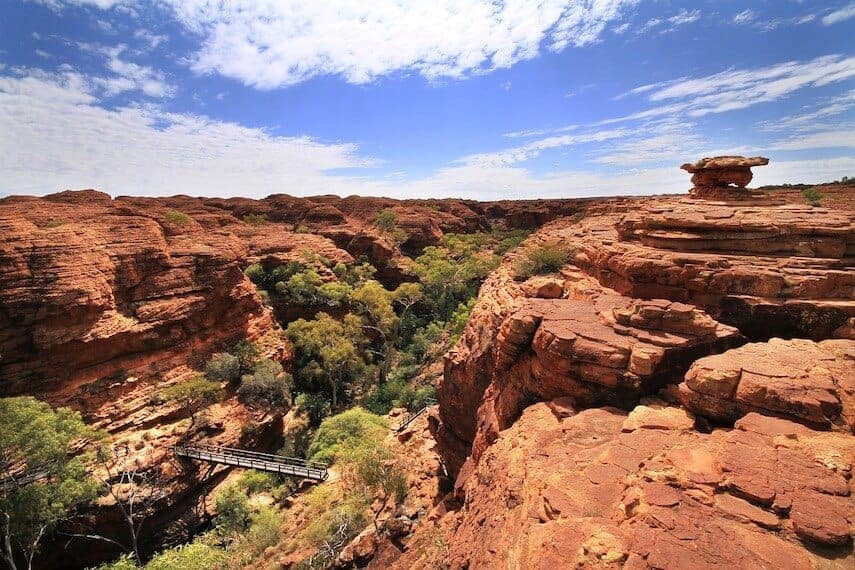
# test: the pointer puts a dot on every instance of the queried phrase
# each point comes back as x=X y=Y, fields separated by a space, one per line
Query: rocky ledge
x=744 y=460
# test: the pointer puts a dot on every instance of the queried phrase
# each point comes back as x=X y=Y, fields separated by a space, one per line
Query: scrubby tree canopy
x=36 y=439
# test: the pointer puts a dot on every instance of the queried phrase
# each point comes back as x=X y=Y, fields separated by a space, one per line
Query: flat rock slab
x=806 y=381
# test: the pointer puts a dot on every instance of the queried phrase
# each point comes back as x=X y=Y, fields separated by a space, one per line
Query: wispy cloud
x=840 y=15
x=740 y=88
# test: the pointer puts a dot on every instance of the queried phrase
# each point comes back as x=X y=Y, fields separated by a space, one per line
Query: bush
x=345 y=431
x=316 y=406
x=386 y=220
x=264 y=530
x=232 y=511
x=255 y=219
x=388 y=395
x=194 y=555
x=254 y=482
x=268 y=387
x=223 y=367
x=258 y=275
x=194 y=393
x=175 y=217
x=545 y=258
x=812 y=196
x=460 y=317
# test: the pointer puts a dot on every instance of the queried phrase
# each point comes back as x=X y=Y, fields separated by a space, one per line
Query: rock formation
x=723 y=177
x=659 y=299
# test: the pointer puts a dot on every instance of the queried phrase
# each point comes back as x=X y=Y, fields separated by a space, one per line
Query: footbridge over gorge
x=268 y=462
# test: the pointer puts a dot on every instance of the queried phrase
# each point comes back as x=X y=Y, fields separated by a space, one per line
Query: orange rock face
x=811 y=382
x=660 y=299
x=600 y=489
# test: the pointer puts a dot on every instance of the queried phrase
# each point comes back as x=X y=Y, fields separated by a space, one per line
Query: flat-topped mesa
x=723 y=177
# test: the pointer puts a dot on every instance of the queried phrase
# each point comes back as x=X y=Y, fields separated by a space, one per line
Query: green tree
x=450 y=276
x=268 y=387
x=223 y=367
x=246 y=353
x=328 y=352
x=194 y=395
x=40 y=483
x=232 y=511
x=345 y=431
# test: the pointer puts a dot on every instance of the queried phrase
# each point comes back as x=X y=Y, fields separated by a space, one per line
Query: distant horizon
x=452 y=100
x=421 y=199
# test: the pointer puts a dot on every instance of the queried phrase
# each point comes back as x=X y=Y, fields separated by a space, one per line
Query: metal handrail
x=255 y=460
x=413 y=415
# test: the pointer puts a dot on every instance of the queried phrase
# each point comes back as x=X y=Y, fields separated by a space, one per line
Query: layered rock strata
x=724 y=177
x=659 y=299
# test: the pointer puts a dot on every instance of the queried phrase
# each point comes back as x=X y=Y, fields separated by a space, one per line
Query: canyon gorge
x=663 y=381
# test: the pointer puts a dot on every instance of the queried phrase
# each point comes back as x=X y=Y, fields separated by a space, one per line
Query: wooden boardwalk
x=268 y=462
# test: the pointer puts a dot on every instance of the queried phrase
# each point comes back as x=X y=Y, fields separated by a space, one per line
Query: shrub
x=345 y=431
x=387 y=396
x=176 y=218
x=268 y=387
x=264 y=530
x=460 y=317
x=232 y=511
x=194 y=393
x=255 y=219
x=386 y=220
x=254 y=482
x=316 y=406
x=812 y=196
x=545 y=258
x=421 y=397
x=246 y=353
x=194 y=555
x=223 y=367
x=258 y=275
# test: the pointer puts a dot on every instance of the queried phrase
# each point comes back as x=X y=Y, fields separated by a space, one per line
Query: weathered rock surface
x=657 y=299
x=811 y=382
x=714 y=176
x=600 y=489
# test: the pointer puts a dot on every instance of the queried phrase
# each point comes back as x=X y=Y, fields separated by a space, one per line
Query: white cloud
x=56 y=136
x=126 y=76
x=811 y=120
x=740 y=88
x=685 y=17
x=153 y=40
x=840 y=15
x=273 y=44
x=671 y=23
x=744 y=17
x=621 y=28
x=532 y=149
x=133 y=77
x=834 y=138
x=43 y=54
x=101 y=4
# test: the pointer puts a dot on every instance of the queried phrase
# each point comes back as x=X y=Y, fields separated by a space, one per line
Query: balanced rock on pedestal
x=723 y=177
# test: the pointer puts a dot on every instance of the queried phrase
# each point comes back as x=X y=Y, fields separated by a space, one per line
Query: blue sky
x=514 y=99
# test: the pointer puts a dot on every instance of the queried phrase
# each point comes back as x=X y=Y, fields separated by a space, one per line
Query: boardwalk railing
x=413 y=415
x=268 y=462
